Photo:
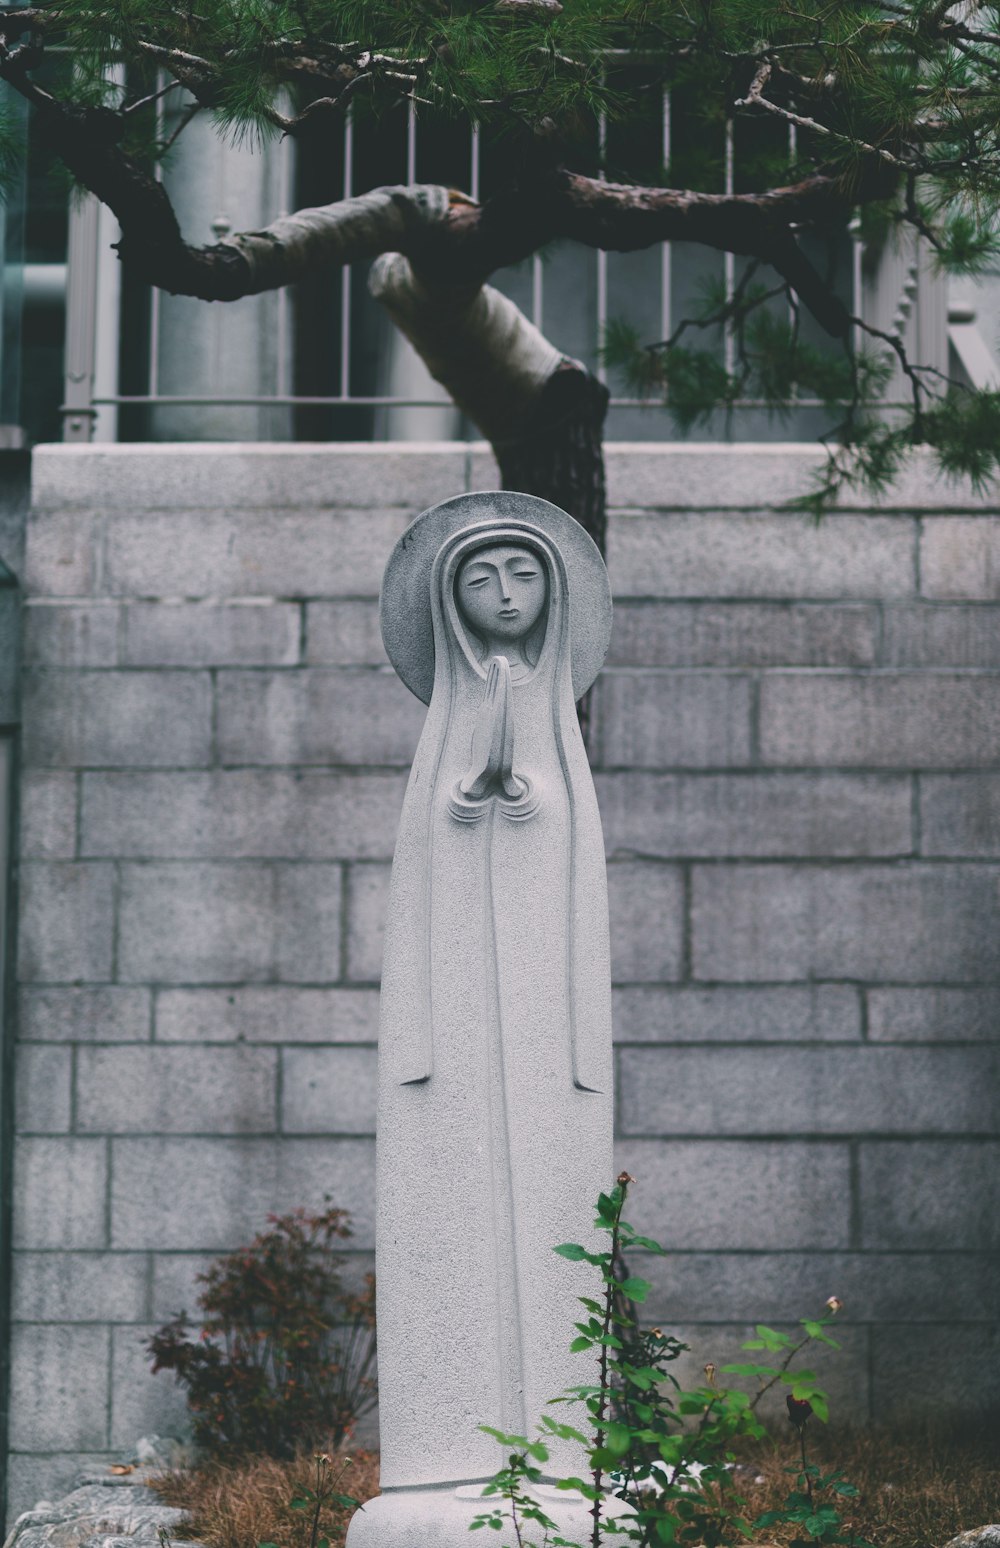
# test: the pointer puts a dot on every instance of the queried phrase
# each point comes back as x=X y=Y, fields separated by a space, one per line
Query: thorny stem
x=805 y=1465
x=321 y=1494
x=602 y=1402
x=790 y=1356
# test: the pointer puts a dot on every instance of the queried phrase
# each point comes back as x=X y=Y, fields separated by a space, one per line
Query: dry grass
x=241 y=1504
x=916 y=1491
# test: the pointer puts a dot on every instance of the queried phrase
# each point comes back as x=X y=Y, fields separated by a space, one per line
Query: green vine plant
x=325 y=1493
x=658 y=1458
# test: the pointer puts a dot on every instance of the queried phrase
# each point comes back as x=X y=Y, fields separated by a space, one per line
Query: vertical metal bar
x=666 y=277
x=153 y=384
x=107 y=326
x=474 y=165
x=729 y=262
x=857 y=280
x=411 y=144
x=345 y=273
x=602 y=259
x=793 y=148
x=537 y=292
x=284 y=153
x=81 y=319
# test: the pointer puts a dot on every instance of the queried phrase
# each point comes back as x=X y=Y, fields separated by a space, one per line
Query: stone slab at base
x=439 y=1517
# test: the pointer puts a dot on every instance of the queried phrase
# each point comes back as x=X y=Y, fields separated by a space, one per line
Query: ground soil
x=916 y=1490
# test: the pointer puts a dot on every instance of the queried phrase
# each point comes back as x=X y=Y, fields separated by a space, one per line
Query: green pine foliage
x=894 y=108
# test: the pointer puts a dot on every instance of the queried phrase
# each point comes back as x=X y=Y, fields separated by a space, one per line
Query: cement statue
x=495 y=1109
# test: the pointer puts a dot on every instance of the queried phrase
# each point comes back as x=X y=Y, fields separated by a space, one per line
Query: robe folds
x=494 y=1109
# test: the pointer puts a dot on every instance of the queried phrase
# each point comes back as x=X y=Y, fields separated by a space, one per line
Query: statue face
x=501 y=592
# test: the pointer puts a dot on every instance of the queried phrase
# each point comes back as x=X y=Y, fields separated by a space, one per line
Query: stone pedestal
x=441 y=1517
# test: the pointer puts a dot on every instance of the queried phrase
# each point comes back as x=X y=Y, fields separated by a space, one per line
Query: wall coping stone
x=641 y=475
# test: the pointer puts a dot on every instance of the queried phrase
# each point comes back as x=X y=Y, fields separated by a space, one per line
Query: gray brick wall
x=795 y=745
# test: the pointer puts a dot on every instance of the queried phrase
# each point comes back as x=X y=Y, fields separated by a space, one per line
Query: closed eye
x=526 y=574
x=480 y=580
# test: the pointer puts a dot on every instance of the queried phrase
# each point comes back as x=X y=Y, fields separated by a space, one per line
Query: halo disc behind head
x=405 y=604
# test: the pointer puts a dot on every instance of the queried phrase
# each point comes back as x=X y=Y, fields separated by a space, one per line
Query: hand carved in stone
x=491 y=768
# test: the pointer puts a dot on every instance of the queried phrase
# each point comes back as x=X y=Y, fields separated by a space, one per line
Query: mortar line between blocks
x=753 y=707
x=74 y=1050
x=279 y=1089
x=109 y=1367
x=100 y=555
x=346 y=907
x=303 y=607
x=213 y=723
x=855 y=1226
x=109 y=1160
x=687 y=923
x=116 y=912
x=78 y=815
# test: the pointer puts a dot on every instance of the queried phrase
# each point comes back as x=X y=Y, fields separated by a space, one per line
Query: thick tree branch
x=473 y=340
x=456 y=240
x=461 y=243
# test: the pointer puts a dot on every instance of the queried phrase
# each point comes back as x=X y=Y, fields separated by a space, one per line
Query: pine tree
x=896 y=113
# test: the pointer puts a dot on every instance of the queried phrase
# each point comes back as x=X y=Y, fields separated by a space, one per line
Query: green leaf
x=648 y=1243
x=635 y=1289
x=618 y=1438
x=564 y=1431
x=583 y=1342
x=505 y=1440
x=580 y=1485
x=772 y=1339
x=817 y=1330
x=573 y=1251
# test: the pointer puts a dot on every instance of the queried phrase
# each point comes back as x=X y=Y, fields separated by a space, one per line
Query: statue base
x=439 y=1517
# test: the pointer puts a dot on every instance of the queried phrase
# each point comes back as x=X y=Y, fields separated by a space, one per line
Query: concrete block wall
x=795 y=747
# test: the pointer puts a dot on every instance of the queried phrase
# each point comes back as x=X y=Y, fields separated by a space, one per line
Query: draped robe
x=494 y=1116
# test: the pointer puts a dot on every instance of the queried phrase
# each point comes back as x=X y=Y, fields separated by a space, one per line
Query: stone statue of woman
x=494 y=1116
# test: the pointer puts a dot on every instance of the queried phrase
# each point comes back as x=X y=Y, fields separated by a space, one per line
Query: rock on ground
x=108 y=1510
x=978 y=1537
